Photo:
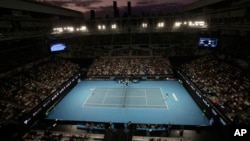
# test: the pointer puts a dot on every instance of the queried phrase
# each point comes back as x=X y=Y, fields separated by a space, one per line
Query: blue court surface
x=151 y=102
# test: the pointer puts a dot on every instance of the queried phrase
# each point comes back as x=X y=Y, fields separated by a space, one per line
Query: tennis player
x=166 y=95
x=126 y=81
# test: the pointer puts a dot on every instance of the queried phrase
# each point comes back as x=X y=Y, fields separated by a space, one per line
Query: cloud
x=55 y=2
x=73 y=4
x=156 y=8
x=145 y=2
x=103 y=7
x=86 y=3
x=156 y=2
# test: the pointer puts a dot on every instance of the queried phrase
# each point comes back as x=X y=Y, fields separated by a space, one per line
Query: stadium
x=69 y=76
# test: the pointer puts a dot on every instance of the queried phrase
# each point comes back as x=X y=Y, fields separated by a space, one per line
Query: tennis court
x=143 y=102
x=126 y=98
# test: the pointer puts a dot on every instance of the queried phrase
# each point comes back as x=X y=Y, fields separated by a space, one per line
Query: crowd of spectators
x=55 y=136
x=108 y=132
x=91 y=126
x=130 y=51
x=149 y=66
x=225 y=85
x=140 y=44
x=134 y=50
x=23 y=90
x=14 y=54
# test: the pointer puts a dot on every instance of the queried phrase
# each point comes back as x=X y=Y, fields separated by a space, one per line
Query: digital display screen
x=57 y=47
x=208 y=42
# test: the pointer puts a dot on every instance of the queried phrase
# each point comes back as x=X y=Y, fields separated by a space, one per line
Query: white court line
x=165 y=100
x=146 y=98
x=105 y=96
x=175 y=98
x=140 y=106
x=110 y=107
x=101 y=104
x=126 y=96
x=88 y=96
x=121 y=104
